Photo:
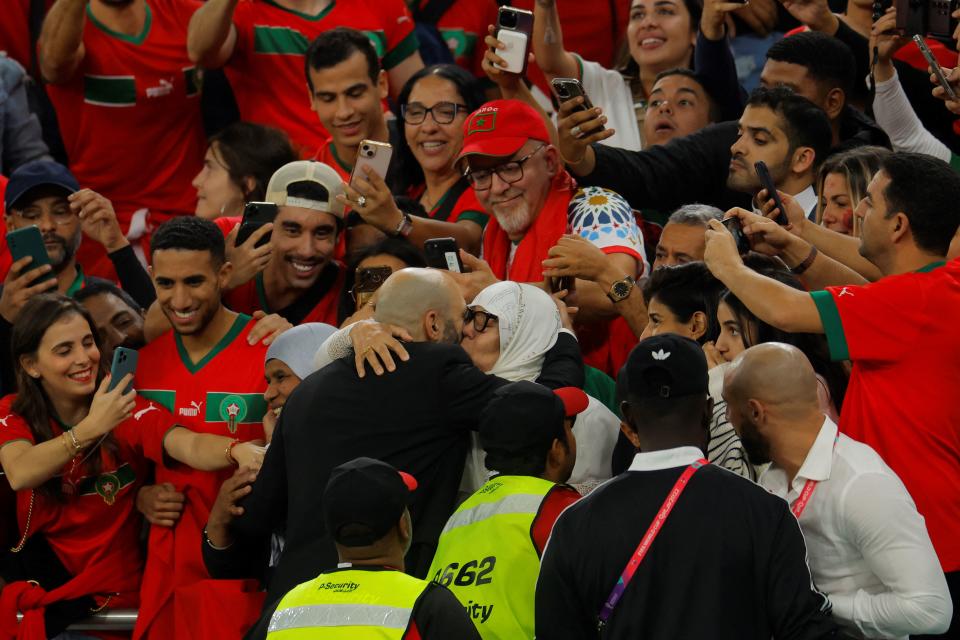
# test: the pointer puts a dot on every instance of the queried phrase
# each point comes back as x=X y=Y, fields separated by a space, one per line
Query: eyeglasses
x=479 y=318
x=59 y=216
x=509 y=172
x=442 y=112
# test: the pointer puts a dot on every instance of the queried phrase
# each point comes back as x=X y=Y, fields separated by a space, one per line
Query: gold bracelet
x=66 y=444
x=229 y=453
x=75 y=441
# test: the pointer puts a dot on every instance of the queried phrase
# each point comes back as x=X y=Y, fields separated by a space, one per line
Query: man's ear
x=630 y=434
x=552 y=158
x=432 y=326
x=757 y=412
x=900 y=228
x=803 y=159
x=834 y=102
x=223 y=275
x=699 y=324
x=383 y=84
x=311 y=97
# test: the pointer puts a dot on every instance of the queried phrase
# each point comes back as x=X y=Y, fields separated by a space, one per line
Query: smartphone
x=368 y=280
x=373 y=154
x=935 y=66
x=514 y=28
x=442 y=253
x=736 y=230
x=570 y=88
x=561 y=283
x=124 y=362
x=28 y=241
x=255 y=215
x=767 y=182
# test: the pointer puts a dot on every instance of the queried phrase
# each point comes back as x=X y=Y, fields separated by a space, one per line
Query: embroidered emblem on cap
x=483 y=120
x=660 y=355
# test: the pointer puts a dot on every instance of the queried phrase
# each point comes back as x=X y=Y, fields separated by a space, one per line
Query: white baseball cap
x=306 y=171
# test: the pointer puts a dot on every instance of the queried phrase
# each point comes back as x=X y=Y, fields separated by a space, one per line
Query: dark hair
x=470 y=90
x=332 y=47
x=926 y=190
x=396 y=247
x=829 y=61
x=715 y=115
x=32 y=404
x=522 y=463
x=625 y=62
x=813 y=345
x=686 y=289
x=97 y=287
x=189 y=233
x=857 y=166
x=805 y=124
x=250 y=150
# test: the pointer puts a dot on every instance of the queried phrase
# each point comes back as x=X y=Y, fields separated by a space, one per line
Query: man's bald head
x=775 y=374
x=424 y=302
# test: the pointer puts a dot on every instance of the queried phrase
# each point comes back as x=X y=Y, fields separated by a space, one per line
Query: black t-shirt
x=729 y=562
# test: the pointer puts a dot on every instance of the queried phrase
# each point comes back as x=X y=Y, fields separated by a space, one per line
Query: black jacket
x=417 y=418
x=729 y=562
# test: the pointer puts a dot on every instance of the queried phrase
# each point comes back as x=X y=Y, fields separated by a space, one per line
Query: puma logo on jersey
x=192 y=411
x=164 y=88
x=4 y=419
x=844 y=292
x=139 y=414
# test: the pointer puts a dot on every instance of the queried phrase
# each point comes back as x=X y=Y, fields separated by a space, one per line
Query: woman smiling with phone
x=433 y=104
x=76 y=454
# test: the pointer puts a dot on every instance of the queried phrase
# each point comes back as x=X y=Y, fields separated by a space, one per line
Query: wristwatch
x=405 y=227
x=620 y=290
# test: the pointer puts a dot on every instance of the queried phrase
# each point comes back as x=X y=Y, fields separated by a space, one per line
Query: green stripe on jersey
x=407 y=47
x=379 y=41
x=110 y=91
x=166 y=399
x=832 y=325
x=282 y=41
x=245 y=408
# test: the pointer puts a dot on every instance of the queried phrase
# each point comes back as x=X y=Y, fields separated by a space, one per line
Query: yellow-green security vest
x=355 y=604
x=486 y=556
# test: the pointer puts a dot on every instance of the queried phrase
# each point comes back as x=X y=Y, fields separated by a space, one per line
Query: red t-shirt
x=5 y=258
x=15 y=30
x=251 y=296
x=327 y=154
x=222 y=394
x=900 y=335
x=99 y=523
x=271 y=41
x=463 y=27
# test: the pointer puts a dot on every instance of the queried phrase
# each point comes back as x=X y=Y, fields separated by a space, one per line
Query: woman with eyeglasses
x=433 y=105
x=75 y=451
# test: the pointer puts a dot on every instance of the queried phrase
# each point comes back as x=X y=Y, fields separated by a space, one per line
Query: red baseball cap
x=574 y=400
x=499 y=128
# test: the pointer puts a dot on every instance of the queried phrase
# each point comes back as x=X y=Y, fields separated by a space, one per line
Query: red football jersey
x=266 y=69
x=251 y=296
x=901 y=399
x=130 y=117
x=15 y=30
x=463 y=27
x=327 y=154
x=221 y=394
x=97 y=525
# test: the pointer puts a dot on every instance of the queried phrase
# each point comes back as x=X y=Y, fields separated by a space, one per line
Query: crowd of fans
x=673 y=357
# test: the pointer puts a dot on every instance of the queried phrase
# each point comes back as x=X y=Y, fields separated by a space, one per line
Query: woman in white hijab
x=510 y=329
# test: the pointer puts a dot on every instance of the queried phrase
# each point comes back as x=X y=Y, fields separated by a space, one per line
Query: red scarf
x=550 y=224
x=104 y=577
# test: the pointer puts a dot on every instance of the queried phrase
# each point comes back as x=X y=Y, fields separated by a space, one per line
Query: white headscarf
x=295 y=347
x=529 y=322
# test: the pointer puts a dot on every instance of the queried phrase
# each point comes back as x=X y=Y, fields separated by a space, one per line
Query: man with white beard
x=519 y=179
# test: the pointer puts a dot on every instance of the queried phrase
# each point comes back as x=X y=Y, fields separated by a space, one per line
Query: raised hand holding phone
x=124 y=363
x=514 y=27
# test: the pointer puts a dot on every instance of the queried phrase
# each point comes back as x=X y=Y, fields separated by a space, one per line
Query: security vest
x=487 y=558
x=353 y=603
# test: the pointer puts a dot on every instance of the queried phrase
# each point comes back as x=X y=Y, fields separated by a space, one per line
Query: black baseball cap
x=38 y=173
x=369 y=493
x=665 y=366
x=526 y=416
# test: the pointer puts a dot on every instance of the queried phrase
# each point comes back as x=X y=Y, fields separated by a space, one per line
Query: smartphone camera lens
x=508 y=20
x=366 y=151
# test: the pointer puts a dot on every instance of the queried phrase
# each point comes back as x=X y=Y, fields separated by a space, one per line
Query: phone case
x=255 y=215
x=514 y=52
x=935 y=66
x=766 y=181
x=375 y=155
x=442 y=253
x=28 y=241
x=124 y=362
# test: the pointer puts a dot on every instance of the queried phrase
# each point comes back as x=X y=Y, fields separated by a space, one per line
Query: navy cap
x=38 y=173
x=526 y=416
x=665 y=366
x=368 y=493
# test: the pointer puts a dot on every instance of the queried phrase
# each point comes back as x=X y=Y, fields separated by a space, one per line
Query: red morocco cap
x=499 y=128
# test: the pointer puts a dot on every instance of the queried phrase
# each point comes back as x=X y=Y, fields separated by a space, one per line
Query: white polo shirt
x=868 y=547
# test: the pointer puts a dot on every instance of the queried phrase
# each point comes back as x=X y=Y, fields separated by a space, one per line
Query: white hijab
x=529 y=322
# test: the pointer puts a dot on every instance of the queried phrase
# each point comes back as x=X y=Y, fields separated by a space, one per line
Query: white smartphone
x=514 y=27
x=935 y=66
x=373 y=154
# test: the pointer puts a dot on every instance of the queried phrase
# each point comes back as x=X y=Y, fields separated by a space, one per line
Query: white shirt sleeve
x=608 y=90
x=896 y=116
x=882 y=521
x=335 y=347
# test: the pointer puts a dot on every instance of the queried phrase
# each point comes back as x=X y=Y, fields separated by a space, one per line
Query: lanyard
x=801 y=502
x=647 y=540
